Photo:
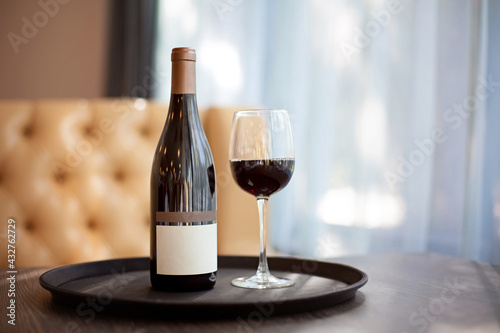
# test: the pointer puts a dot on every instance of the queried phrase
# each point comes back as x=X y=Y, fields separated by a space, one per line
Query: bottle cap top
x=183 y=53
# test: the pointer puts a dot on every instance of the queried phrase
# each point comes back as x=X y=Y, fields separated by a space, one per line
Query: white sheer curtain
x=395 y=107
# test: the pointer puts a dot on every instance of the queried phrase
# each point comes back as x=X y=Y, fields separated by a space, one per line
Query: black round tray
x=122 y=286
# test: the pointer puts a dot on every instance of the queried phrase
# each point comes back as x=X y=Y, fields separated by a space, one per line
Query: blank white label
x=186 y=250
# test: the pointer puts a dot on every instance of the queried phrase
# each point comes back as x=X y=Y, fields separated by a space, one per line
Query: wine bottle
x=183 y=192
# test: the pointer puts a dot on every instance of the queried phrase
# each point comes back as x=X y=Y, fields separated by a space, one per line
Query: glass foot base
x=258 y=282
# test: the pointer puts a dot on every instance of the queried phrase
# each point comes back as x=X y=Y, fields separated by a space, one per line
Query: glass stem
x=263 y=269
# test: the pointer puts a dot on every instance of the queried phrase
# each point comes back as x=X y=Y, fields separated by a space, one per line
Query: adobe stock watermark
x=454 y=116
x=12 y=271
x=421 y=319
x=327 y=247
x=264 y=310
x=121 y=108
x=224 y=7
x=380 y=19
x=224 y=178
x=30 y=27
x=89 y=308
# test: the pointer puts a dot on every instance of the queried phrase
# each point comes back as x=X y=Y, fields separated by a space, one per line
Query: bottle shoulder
x=173 y=147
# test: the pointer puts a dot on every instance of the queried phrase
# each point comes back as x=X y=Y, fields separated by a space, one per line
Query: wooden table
x=405 y=293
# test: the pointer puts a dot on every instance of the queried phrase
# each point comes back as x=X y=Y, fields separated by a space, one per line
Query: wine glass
x=262 y=159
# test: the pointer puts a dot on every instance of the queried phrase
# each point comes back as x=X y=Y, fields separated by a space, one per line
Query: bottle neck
x=183 y=77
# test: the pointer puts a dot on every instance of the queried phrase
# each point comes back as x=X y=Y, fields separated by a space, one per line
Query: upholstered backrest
x=74 y=175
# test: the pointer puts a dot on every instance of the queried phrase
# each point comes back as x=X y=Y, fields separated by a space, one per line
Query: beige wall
x=66 y=57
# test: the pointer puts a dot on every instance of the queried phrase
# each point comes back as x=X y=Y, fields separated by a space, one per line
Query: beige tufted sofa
x=74 y=176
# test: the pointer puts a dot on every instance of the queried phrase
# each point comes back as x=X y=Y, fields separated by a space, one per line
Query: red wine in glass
x=262 y=160
x=262 y=178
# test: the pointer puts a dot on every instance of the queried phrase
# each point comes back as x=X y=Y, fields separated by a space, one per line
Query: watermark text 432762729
x=11 y=273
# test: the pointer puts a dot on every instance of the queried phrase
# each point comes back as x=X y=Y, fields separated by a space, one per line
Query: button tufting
x=27 y=131
x=91 y=224
x=74 y=183
x=119 y=176
x=29 y=226
x=60 y=176
x=145 y=131
x=87 y=131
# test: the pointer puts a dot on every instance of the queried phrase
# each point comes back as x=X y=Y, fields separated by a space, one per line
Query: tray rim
x=69 y=296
